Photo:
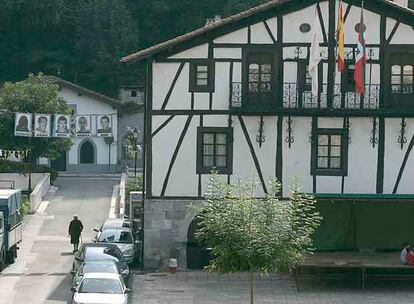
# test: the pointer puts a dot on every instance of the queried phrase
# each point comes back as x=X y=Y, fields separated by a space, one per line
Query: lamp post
x=109 y=140
x=135 y=133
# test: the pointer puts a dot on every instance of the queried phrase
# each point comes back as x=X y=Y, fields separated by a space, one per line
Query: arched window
x=87 y=153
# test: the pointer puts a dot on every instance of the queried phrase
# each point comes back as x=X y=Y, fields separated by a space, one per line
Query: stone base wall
x=166 y=225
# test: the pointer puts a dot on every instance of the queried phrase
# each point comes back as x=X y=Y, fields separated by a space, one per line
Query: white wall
x=362 y=156
x=394 y=156
x=88 y=105
x=297 y=158
x=403 y=35
x=21 y=181
x=292 y=21
x=372 y=20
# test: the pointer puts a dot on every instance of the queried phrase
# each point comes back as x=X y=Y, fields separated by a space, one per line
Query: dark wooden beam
x=174 y=157
x=180 y=68
x=253 y=153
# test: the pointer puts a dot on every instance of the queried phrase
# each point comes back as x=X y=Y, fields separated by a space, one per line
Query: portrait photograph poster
x=83 y=125
x=62 y=125
x=104 y=126
x=42 y=125
x=23 y=124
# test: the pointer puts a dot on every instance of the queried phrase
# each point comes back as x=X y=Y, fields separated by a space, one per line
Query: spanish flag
x=340 y=39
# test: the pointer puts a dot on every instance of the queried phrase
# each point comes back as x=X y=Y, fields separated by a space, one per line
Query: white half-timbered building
x=235 y=95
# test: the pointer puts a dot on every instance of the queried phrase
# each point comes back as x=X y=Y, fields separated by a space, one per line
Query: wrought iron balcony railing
x=295 y=98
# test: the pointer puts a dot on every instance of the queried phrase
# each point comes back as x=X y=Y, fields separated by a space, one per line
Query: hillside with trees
x=82 y=40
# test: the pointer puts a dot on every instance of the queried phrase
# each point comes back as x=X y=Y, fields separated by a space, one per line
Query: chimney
x=209 y=21
x=402 y=2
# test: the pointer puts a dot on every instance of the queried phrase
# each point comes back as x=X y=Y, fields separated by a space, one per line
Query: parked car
x=101 y=251
x=96 y=266
x=107 y=288
x=112 y=223
x=124 y=239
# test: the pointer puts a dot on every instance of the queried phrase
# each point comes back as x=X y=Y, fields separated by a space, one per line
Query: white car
x=124 y=239
x=103 y=288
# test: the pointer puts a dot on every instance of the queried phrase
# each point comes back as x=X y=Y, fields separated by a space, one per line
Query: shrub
x=7 y=166
x=25 y=207
x=134 y=184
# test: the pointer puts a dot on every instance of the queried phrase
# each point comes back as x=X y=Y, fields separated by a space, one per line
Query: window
x=330 y=152
x=347 y=78
x=201 y=77
x=215 y=150
x=402 y=79
x=133 y=93
x=259 y=77
x=74 y=109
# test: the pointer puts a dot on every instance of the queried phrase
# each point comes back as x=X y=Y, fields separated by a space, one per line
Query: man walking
x=75 y=230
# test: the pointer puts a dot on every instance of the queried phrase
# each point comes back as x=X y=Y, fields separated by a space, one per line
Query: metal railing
x=296 y=98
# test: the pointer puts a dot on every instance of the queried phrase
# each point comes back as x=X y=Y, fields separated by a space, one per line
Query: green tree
x=105 y=32
x=237 y=6
x=253 y=234
x=33 y=95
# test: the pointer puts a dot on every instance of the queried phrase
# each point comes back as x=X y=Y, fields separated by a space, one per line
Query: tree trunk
x=251 y=286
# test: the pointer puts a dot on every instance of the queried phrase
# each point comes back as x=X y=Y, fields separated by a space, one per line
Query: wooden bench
x=360 y=262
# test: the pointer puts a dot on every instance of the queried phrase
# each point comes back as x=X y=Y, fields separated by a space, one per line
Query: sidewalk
x=202 y=288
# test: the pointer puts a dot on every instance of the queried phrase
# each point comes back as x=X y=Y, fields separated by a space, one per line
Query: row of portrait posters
x=61 y=125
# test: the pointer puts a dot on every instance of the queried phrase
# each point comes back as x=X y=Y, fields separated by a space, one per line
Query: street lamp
x=109 y=140
x=135 y=133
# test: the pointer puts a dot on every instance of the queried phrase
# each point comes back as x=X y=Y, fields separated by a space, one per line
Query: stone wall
x=166 y=225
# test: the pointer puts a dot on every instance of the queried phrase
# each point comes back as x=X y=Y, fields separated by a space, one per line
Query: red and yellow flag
x=341 y=39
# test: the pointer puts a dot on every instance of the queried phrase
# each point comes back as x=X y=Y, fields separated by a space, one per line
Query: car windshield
x=98 y=285
x=99 y=267
x=116 y=236
x=115 y=224
x=100 y=253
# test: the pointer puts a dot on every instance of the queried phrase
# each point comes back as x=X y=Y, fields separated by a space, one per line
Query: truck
x=11 y=228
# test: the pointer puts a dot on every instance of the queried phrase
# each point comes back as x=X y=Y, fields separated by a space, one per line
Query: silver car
x=96 y=266
x=124 y=239
x=105 y=288
x=112 y=224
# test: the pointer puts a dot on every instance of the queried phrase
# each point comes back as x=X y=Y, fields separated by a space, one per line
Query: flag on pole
x=315 y=54
x=341 y=39
x=359 y=73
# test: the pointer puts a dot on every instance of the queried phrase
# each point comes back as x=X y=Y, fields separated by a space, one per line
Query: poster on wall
x=42 y=125
x=23 y=124
x=104 y=126
x=62 y=125
x=83 y=125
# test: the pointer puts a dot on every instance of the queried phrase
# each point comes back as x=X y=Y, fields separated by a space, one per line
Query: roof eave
x=148 y=52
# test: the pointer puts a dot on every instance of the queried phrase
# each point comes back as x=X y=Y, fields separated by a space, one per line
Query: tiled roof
x=166 y=44
x=257 y=9
x=83 y=90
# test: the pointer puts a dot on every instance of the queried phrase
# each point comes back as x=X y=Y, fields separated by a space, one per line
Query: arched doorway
x=87 y=153
x=197 y=254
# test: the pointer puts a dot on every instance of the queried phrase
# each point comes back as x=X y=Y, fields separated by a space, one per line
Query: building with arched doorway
x=88 y=154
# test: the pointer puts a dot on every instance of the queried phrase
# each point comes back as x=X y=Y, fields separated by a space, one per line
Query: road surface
x=41 y=272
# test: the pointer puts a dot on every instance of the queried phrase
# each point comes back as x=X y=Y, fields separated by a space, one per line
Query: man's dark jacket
x=75 y=229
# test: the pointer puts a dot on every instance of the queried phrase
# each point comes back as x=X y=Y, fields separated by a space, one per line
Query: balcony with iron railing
x=296 y=98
